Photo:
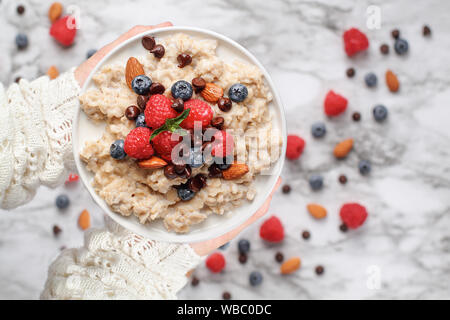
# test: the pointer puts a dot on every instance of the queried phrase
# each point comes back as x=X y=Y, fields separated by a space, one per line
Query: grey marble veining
x=405 y=243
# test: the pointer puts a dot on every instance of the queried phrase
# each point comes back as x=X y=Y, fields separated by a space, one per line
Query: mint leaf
x=172 y=125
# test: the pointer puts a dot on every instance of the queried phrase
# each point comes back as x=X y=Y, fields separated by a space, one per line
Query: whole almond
x=392 y=81
x=152 y=163
x=53 y=72
x=84 y=220
x=55 y=11
x=343 y=148
x=317 y=211
x=212 y=92
x=235 y=171
x=290 y=265
x=133 y=69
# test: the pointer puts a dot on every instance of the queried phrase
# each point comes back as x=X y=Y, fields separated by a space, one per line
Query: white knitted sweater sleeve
x=35 y=136
x=117 y=264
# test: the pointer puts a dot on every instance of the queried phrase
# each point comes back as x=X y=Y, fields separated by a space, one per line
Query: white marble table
x=405 y=243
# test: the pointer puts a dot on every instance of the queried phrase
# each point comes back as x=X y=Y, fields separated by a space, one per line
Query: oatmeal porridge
x=179 y=83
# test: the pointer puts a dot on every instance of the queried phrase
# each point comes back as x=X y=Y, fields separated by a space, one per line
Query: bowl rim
x=171 y=236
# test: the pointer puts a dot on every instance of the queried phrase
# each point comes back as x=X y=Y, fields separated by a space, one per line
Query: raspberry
x=334 y=104
x=200 y=111
x=353 y=215
x=222 y=145
x=216 y=262
x=158 y=109
x=137 y=143
x=272 y=230
x=64 y=31
x=163 y=144
x=72 y=178
x=355 y=41
x=295 y=146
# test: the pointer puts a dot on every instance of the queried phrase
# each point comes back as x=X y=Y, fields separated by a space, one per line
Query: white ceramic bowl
x=215 y=225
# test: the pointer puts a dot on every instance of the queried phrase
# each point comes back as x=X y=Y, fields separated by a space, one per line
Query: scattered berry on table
x=140 y=120
x=164 y=144
x=279 y=257
x=295 y=146
x=195 y=281
x=316 y=182
x=356 y=116
x=384 y=49
x=426 y=31
x=238 y=92
x=72 y=178
x=20 y=9
x=395 y=33
x=318 y=129
x=90 y=53
x=62 y=201
x=319 y=270
x=137 y=143
x=21 y=41
x=199 y=111
x=255 y=278
x=244 y=246
x=286 y=189
x=182 y=89
x=117 y=150
x=64 y=31
x=371 y=79
x=306 y=235
x=355 y=41
x=343 y=179
x=223 y=144
x=243 y=258
x=141 y=84
x=401 y=46
x=226 y=295
x=132 y=112
x=215 y=262
x=56 y=230
x=350 y=72
x=158 y=110
x=272 y=230
x=353 y=215
x=380 y=113
x=364 y=167
x=334 y=104
x=343 y=227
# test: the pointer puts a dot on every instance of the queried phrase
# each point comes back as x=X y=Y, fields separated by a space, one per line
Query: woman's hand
x=206 y=247
x=83 y=71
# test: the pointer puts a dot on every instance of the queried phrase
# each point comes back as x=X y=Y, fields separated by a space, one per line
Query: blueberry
x=90 y=53
x=140 y=120
x=224 y=163
x=195 y=158
x=244 y=246
x=185 y=194
x=182 y=89
x=21 y=41
x=62 y=201
x=141 y=84
x=401 y=46
x=318 y=129
x=255 y=278
x=364 y=167
x=237 y=92
x=371 y=79
x=224 y=246
x=116 y=150
x=380 y=113
x=316 y=182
